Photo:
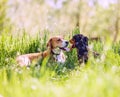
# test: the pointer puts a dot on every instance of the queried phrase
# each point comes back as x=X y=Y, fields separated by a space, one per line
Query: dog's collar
x=56 y=51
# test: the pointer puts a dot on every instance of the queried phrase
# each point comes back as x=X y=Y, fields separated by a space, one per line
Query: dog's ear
x=86 y=40
x=49 y=44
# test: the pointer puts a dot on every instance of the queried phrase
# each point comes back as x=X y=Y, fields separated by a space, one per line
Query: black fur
x=81 y=43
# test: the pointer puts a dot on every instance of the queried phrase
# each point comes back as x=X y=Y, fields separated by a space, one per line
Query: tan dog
x=54 y=49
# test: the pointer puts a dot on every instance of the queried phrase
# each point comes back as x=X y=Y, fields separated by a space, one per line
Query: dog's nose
x=66 y=42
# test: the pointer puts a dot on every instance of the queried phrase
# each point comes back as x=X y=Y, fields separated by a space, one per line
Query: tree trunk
x=117 y=22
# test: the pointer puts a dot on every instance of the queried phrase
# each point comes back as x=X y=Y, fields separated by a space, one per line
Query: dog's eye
x=59 y=40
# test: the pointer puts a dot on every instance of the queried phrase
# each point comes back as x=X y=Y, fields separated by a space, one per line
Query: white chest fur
x=59 y=56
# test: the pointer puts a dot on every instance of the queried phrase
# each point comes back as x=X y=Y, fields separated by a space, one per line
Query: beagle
x=55 y=47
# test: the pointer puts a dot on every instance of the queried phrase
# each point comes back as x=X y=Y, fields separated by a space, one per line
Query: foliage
x=116 y=48
x=92 y=16
x=3 y=15
x=98 y=78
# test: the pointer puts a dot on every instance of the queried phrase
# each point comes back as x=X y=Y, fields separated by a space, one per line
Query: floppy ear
x=49 y=43
x=86 y=40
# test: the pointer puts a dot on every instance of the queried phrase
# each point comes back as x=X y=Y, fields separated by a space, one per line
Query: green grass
x=99 y=78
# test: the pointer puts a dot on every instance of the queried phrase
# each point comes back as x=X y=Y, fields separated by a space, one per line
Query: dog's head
x=59 y=42
x=79 y=40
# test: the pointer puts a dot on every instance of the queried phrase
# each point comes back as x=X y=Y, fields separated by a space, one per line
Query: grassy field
x=100 y=77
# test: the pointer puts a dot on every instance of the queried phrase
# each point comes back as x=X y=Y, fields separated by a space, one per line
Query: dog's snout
x=67 y=42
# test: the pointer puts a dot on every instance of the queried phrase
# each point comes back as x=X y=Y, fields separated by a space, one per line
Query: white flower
x=1 y=95
x=33 y=87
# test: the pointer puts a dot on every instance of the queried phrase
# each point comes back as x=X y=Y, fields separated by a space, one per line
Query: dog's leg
x=23 y=61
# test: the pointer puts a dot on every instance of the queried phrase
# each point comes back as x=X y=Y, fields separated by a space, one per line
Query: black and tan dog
x=80 y=42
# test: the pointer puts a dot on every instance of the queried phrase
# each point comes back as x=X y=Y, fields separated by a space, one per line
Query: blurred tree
x=3 y=18
x=78 y=13
x=40 y=1
x=91 y=17
x=117 y=20
x=103 y=20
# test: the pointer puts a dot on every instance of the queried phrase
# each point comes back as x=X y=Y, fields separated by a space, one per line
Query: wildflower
x=33 y=87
